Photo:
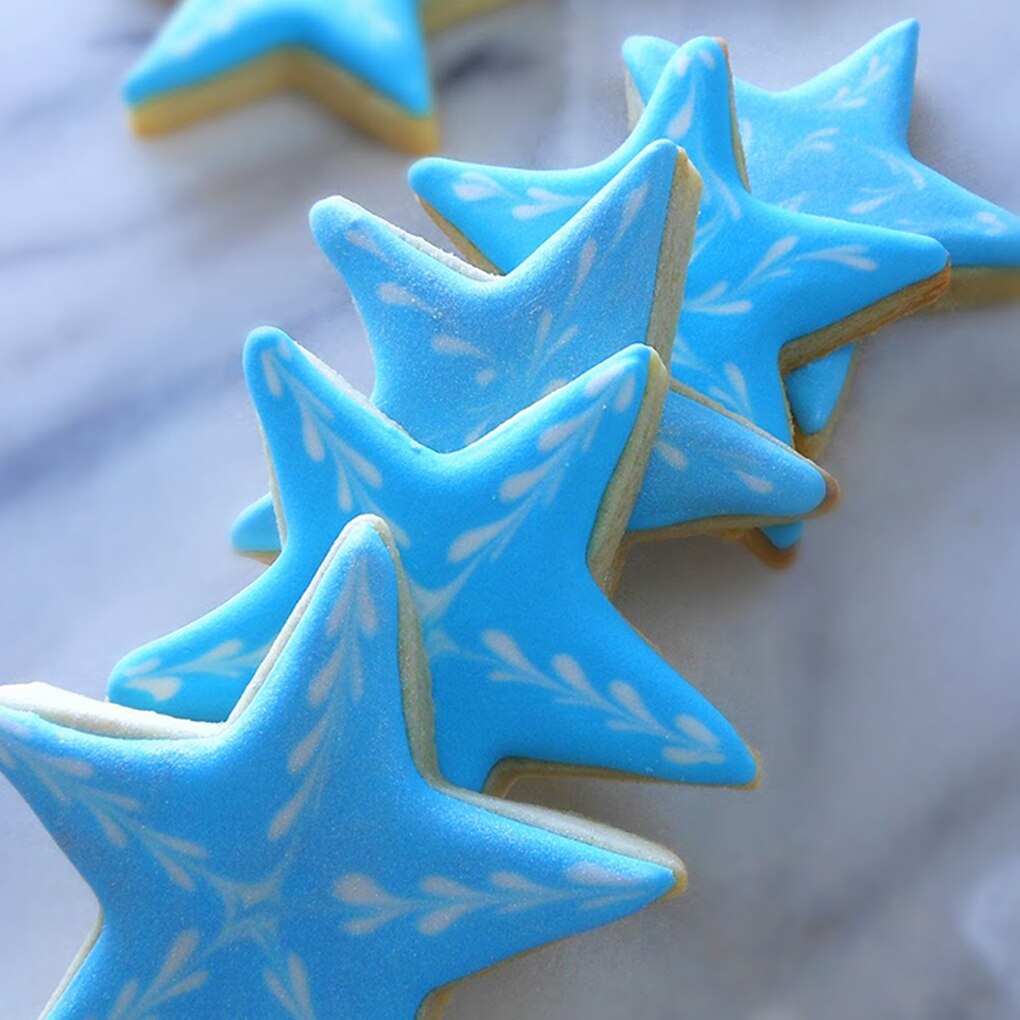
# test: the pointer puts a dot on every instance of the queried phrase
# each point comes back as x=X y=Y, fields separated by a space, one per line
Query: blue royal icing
x=380 y=42
x=705 y=464
x=838 y=146
x=529 y=659
x=301 y=860
x=760 y=276
x=255 y=532
x=457 y=351
x=815 y=390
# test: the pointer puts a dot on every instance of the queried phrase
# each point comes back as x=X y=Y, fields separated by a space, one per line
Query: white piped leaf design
x=440 y=902
x=334 y=687
x=291 y=989
x=358 y=480
x=230 y=660
x=560 y=445
x=853 y=97
x=173 y=981
x=780 y=260
x=621 y=705
x=542 y=201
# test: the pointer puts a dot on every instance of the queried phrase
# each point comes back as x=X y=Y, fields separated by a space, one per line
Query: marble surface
x=877 y=870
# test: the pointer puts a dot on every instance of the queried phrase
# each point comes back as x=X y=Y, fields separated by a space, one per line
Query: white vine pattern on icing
x=552 y=335
x=339 y=679
x=475 y=186
x=853 y=97
x=134 y=1003
x=560 y=445
x=291 y=990
x=991 y=223
x=723 y=457
x=725 y=385
x=443 y=901
x=904 y=175
x=554 y=330
x=68 y=780
x=779 y=261
x=686 y=740
x=251 y=909
x=358 y=480
x=820 y=140
x=230 y=660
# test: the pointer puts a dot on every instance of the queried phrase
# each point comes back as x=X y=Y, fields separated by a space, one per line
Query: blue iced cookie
x=838 y=146
x=768 y=289
x=363 y=59
x=303 y=859
x=506 y=544
x=458 y=350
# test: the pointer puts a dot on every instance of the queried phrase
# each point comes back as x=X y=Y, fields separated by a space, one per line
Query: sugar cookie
x=364 y=61
x=304 y=858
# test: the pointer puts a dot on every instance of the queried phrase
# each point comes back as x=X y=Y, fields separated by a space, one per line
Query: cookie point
x=637 y=49
x=261 y=340
x=833 y=493
x=747 y=773
x=255 y=532
x=776 y=546
x=134 y=88
x=639 y=355
x=332 y=218
x=328 y=214
x=908 y=26
x=666 y=880
x=370 y=530
x=423 y=170
x=322 y=214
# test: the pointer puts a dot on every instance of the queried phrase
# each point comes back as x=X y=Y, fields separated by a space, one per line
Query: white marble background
x=877 y=871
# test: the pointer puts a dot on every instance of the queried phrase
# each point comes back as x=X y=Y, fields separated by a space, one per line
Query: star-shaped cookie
x=363 y=59
x=458 y=350
x=303 y=859
x=768 y=289
x=838 y=146
x=506 y=543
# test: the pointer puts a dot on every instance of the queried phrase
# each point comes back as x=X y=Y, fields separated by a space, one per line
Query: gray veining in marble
x=877 y=871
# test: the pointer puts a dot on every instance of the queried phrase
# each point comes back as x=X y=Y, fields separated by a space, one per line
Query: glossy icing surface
x=458 y=351
x=760 y=277
x=380 y=42
x=814 y=391
x=529 y=658
x=838 y=146
x=281 y=864
x=705 y=464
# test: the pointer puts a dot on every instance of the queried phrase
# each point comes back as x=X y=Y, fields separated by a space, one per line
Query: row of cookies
x=543 y=443
x=835 y=146
x=281 y=829
x=817 y=230
x=290 y=777
x=461 y=349
x=776 y=298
